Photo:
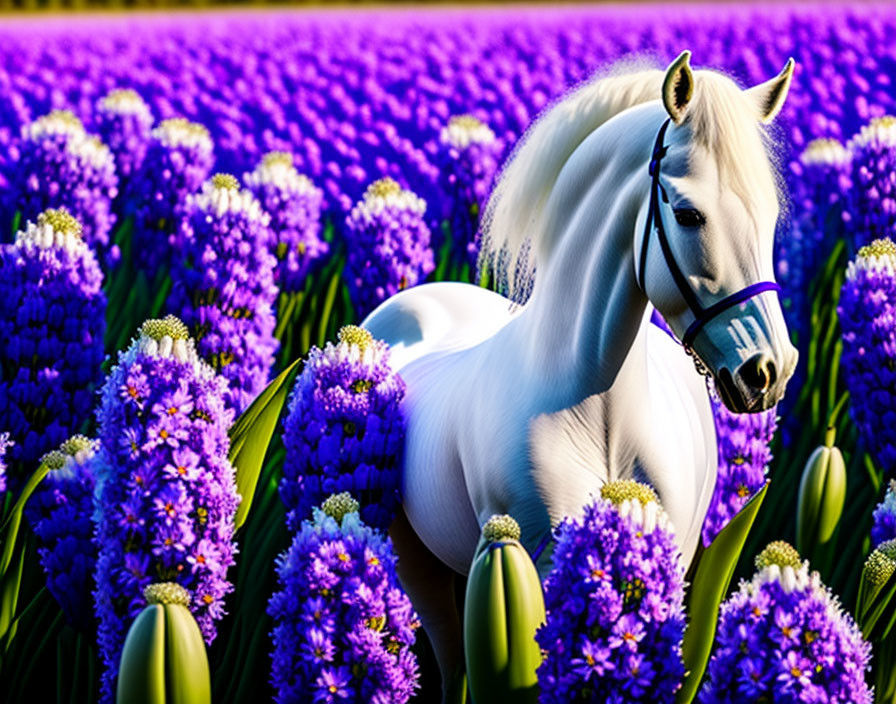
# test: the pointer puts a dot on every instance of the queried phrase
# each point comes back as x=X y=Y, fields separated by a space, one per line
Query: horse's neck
x=585 y=324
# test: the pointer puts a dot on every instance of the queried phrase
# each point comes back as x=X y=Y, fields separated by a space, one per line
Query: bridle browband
x=701 y=315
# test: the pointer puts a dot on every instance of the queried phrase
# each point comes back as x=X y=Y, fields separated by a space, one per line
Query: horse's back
x=438 y=317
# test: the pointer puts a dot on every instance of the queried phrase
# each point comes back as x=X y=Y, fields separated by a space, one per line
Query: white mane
x=723 y=120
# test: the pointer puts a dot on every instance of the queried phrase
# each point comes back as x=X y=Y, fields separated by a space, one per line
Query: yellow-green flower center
x=780 y=553
x=885 y=122
x=166 y=593
x=61 y=221
x=75 y=444
x=467 y=122
x=501 y=527
x=182 y=124
x=354 y=335
x=169 y=326
x=337 y=505
x=54 y=459
x=277 y=159
x=384 y=187
x=63 y=116
x=225 y=181
x=126 y=94
x=880 y=565
x=879 y=248
x=628 y=490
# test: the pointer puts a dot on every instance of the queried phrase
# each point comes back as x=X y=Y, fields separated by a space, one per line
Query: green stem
x=328 y=307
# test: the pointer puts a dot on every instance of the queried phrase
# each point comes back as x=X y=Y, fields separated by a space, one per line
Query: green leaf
x=14 y=519
x=251 y=434
x=712 y=570
x=186 y=664
x=141 y=676
x=9 y=600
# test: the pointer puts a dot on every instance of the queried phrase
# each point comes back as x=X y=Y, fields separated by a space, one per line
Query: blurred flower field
x=196 y=205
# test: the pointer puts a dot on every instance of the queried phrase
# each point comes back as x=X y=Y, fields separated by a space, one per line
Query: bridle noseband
x=701 y=315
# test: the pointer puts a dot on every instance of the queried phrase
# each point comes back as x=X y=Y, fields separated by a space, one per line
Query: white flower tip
x=387 y=193
x=825 y=152
x=180 y=132
x=879 y=132
x=464 y=130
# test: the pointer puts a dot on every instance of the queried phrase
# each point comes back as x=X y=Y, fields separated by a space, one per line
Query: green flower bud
x=169 y=326
x=54 y=459
x=337 y=505
x=780 y=553
x=354 y=335
x=61 y=221
x=164 y=659
x=499 y=528
x=226 y=181
x=628 y=490
x=504 y=607
x=822 y=495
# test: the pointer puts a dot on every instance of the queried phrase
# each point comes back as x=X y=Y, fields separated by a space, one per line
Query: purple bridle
x=701 y=315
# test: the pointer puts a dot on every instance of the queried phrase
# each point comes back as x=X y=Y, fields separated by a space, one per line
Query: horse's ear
x=678 y=87
x=770 y=96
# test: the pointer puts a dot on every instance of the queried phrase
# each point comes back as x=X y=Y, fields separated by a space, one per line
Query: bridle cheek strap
x=655 y=222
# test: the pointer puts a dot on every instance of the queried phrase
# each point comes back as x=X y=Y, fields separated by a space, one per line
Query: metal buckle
x=699 y=365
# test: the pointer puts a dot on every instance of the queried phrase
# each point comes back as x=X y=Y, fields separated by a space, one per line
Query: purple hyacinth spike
x=343 y=628
x=52 y=324
x=345 y=430
x=867 y=314
x=166 y=495
x=388 y=244
x=60 y=165
x=821 y=178
x=60 y=512
x=615 y=604
x=178 y=159
x=784 y=637
x=224 y=285
x=871 y=211
x=744 y=454
x=5 y=443
x=467 y=155
x=124 y=122
x=294 y=204
x=884 y=526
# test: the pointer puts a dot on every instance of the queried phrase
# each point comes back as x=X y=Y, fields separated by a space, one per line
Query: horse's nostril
x=759 y=372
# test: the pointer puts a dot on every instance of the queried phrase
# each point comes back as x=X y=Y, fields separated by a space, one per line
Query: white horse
x=530 y=410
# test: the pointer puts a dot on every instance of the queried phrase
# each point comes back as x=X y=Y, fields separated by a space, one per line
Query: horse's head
x=704 y=256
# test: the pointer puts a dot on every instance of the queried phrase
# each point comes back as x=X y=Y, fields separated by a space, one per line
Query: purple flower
x=871 y=208
x=867 y=314
x=744 y=456
x=884 y=526
x=388 y=244
x=821 y=183
x=153 y=523
x=615 y=603
x=224 y=286
x=345 y=430
x=467 y=155
x=343 y=628
x=5 y=443
x=293 y=203
x=60 y=165
x=60 y=512
x=124 y=122
x=783 y=637
x=178 y=159
x=52 y=324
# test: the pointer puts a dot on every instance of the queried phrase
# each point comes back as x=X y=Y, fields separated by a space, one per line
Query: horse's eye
x=688 y=217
